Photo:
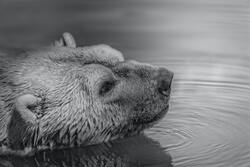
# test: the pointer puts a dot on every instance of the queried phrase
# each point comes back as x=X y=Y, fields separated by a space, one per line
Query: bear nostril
x=164 y=80
x=164 y=88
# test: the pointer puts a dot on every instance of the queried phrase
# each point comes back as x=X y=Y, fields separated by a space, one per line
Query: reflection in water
x=138 y=151
x=205 y=42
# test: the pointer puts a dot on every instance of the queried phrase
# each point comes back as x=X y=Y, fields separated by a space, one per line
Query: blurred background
x=206 y=43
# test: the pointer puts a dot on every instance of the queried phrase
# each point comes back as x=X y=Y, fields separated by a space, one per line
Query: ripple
x=208 y=124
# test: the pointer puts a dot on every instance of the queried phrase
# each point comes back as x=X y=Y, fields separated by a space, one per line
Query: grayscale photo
x=124 y=83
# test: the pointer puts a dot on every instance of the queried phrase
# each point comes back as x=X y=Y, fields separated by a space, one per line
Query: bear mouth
x=159 y=115
x=154 y=119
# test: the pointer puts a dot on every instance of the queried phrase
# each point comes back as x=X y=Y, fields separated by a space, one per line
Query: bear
x=66 y=95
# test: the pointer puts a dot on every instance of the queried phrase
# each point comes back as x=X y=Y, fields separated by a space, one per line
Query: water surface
x=206 y=44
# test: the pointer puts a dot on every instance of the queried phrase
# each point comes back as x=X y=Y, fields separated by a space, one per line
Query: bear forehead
x=51 y=63
x=98 y=54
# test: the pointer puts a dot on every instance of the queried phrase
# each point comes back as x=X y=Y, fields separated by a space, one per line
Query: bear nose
x=164 y=79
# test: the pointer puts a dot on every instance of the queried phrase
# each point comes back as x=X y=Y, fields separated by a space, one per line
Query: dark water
x=206 y=44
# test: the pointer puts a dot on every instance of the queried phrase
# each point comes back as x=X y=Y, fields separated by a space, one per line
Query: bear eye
x=107 y=86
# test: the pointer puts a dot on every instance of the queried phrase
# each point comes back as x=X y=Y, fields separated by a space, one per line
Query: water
x=206 y=44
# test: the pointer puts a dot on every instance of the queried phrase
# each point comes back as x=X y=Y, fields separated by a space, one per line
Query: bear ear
x=23 y=122
x=66 y=40
x=22 y=105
